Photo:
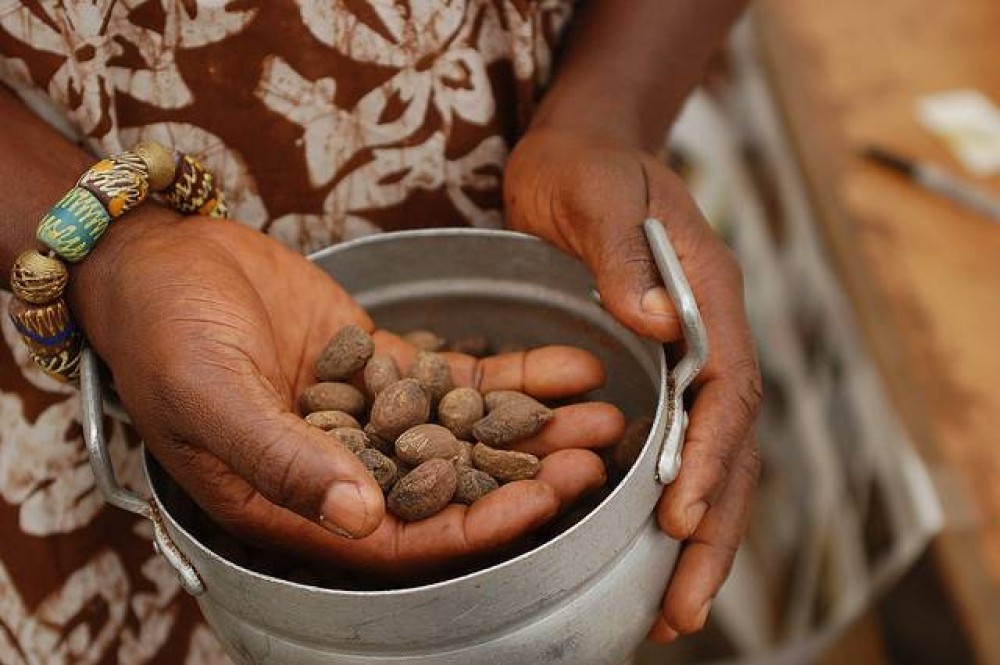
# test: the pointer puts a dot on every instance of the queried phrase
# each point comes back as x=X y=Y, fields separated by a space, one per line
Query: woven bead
x=193 y=190
x=37 y=278
x=46 y=329
x=120 y=182
x=63 y=366
x=74 y=225
x=161 y=163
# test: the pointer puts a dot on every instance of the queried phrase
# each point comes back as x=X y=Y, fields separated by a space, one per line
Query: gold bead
x=159 y=161
x=37 y=278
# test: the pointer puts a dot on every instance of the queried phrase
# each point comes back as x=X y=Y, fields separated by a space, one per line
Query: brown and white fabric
x=325 y=120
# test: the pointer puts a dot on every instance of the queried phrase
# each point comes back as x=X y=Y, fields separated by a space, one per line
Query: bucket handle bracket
x=668 y=464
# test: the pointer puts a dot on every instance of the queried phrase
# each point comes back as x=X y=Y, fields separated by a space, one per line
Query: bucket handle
x=668 y=463
x=92 y=419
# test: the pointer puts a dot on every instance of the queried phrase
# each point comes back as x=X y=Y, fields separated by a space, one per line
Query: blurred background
x=874 y=290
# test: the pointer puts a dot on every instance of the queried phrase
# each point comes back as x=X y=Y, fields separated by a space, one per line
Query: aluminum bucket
x=589 y=595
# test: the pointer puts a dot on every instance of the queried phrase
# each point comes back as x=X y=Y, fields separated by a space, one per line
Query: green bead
x=74 y=225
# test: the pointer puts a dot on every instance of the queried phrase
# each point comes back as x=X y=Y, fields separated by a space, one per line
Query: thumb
x=618 y=255
x=238 y=418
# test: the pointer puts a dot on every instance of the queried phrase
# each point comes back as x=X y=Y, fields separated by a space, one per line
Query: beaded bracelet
x=71 y=229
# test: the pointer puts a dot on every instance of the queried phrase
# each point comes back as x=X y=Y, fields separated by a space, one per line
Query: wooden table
x=923 y=274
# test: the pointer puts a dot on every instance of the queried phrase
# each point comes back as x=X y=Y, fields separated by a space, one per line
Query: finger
x=617 y=253
x=572 y=474
x=727 y=399
x=227 y=409
x=548 y=372
x=708 y=556
x=587 y=425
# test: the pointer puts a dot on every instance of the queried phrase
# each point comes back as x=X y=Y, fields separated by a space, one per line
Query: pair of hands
x=210 y=330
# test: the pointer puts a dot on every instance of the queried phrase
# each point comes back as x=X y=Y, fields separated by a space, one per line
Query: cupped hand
x=210 y=330
x=590 y=195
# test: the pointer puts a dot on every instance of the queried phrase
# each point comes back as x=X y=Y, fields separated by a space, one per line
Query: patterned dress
x=325 y=120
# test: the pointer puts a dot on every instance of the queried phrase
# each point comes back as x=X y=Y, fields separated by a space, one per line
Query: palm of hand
x=216 y=330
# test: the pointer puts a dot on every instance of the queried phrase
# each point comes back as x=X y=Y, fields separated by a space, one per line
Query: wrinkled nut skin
x=510 y=421
x=465 y=454
x=346 y=353
x=353 y=439
x=382 y=469
x=472 y=485
x=425 y=340
x=424 y=442
x=477 y=346
x=504 y=465
x=459 y=410
x=495 y=398
x=329 y=420
x=423 y=492
x=332 y=397
x=399 y=407
x=379 y=443
x=628 y=449
x=433 y=373
x=380 y=373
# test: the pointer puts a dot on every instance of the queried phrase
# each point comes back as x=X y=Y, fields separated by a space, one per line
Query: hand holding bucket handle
x=695 y=338
x=92 y=418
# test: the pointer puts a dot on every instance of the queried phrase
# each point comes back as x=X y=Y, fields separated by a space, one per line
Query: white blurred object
x=969 y=122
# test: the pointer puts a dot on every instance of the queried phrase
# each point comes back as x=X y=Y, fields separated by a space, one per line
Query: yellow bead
x=160 y=162
x=37 y=278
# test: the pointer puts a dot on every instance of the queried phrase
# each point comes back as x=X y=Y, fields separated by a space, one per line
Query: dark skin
x=186 y=311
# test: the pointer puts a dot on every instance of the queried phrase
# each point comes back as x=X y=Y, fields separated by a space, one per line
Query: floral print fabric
x=324 y=120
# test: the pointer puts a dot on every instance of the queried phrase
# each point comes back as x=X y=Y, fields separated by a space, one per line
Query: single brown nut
x=399 y=407
x=433 y=373
x=382 y=468
x=477 y=346
x=425 y=340
x=504 y=465
x=353 y=439
x=472 y=485
x=329 y=420
x=510 y=421
x=465 y=455
x=378 y=442
x=628 y=449
x=495 y=398
x=423 y=442
x=459 y=410
x=332 y=397
x=380 y=373
x=346 y=353
x=424 y=491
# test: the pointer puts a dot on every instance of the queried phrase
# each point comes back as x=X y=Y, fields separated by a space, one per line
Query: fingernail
x=703 y=613
x=694 y=515
x=669 y=635
x=656 y=302
x=344 y=511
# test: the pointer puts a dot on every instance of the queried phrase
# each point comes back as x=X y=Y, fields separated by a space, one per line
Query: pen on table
x=938 y=180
